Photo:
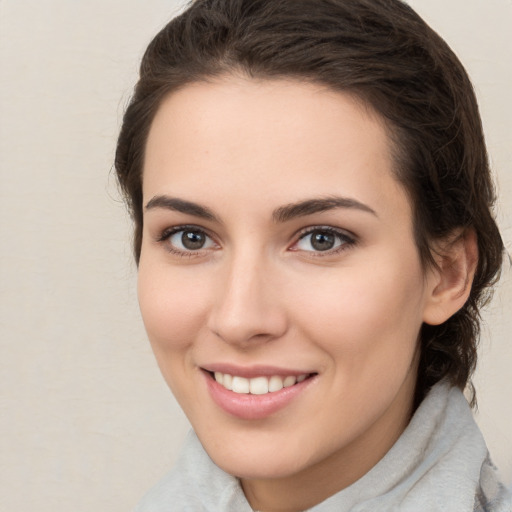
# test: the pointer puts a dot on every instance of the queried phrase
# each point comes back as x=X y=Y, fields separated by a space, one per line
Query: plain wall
x=87 y=423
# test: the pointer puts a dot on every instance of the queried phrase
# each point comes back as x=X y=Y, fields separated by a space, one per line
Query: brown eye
x=189 y=240
x=323 y=240
x=193 y=240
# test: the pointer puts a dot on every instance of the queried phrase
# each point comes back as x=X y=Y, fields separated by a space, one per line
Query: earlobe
x=450 y=283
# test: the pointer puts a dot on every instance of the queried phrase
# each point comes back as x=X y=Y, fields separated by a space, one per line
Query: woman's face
x=278 y=251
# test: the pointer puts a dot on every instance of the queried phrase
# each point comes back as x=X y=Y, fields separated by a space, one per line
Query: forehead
x=274 y=138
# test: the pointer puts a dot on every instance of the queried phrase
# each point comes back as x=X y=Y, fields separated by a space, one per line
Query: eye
x=187 y=239
x=323 y=240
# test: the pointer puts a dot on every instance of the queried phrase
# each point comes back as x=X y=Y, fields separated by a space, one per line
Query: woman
x=314 y=234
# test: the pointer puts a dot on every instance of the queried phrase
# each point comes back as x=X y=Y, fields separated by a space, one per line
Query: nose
x=248 y=305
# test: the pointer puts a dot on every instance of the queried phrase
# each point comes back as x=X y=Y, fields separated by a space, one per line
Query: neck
x=312 y=485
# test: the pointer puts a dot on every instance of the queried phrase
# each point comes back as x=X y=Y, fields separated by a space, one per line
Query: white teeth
x=228 y=381
x=257 y=385
x=289 y=381
x=240 y=385
x=275 y=383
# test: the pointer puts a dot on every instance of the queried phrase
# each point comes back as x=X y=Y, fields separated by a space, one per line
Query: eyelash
x=347 y=240
x=165 y=236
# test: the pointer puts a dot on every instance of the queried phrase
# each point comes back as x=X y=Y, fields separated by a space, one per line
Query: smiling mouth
x=257 y=385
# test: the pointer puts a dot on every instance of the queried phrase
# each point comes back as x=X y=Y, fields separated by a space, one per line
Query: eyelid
x=167 y=232
x=164 y=236
x=348 y=238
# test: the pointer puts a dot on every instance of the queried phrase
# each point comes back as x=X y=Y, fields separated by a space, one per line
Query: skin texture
x=258 y=293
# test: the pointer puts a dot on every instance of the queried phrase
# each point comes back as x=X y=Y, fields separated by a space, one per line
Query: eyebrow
x=310 y=206
x=182 y=206
x=279 y=215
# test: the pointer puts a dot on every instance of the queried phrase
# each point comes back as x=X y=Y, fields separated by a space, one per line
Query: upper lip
x=250 y=372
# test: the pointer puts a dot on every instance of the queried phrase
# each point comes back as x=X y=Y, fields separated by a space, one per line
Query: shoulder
x=195 y=484
x=492 y=495
x=182 y=485
x=171 y=490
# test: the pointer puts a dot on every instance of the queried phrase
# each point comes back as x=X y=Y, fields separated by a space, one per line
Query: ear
x=450 y=283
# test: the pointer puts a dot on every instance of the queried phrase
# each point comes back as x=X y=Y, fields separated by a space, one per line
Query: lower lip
x=254 y=407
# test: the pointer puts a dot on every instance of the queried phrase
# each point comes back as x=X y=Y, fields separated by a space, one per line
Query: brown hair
x=382 y=52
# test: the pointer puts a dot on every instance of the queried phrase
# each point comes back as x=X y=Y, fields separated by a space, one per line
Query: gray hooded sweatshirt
x=439 y=464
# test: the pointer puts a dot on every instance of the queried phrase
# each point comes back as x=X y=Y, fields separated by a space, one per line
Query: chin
x=265 y=456
x=261 y=468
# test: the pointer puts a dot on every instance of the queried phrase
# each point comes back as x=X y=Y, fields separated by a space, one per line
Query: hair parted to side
x=382 y=52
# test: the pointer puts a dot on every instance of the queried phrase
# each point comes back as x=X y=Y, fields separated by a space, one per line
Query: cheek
x=172 y=307
x=372 y=313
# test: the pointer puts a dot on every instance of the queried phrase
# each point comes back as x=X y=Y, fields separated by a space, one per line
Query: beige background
x=86 y=422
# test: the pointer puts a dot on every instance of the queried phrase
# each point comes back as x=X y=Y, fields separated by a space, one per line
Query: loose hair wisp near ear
x=383 y=53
